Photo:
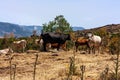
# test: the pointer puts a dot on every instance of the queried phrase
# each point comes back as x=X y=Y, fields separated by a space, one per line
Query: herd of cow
x=58 y=40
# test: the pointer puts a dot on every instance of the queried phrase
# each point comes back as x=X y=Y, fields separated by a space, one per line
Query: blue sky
x=86 y=13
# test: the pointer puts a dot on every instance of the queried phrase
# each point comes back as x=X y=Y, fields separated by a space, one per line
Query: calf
x=55 y=45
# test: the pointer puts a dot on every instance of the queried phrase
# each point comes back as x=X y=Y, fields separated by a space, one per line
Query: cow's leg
x=44 y=46
x=58 y=47
x=64 y=46
x=94 y=49
x=89 y=48
x=76 y=46
x=99 y=48
x=23 y=47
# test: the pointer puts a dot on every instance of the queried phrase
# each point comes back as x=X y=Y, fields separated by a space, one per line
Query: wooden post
x=14 y=71
x=10 y=63
x=35 y=67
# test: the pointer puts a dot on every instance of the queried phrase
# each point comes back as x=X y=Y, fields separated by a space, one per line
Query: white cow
x=37 y=41
x=5 y=51
x=96 y=41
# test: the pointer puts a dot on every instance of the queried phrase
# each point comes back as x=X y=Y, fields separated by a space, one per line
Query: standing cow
x=81 y=41
x=96 y=42
x=19 y=45
x=50 y=37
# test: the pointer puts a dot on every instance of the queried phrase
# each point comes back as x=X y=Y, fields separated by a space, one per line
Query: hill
x=18 y=30
x=23 y=30
x=110 y=29
x=6 y=28
x=75 y=28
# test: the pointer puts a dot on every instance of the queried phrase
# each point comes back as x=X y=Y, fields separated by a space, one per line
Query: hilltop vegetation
x=111 y=29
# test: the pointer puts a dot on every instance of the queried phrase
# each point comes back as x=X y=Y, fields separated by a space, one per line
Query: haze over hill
x=23 y=30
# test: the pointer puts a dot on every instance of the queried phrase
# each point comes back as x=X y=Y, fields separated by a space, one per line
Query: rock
x=54 y=55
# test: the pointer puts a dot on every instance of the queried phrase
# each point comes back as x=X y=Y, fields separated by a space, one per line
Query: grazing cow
x=5 y=51
x=81 y=41
x=96 y=40
x=51 y=37
x=20 y=45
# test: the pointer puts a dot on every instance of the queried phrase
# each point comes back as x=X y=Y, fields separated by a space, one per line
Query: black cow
x=51 y=37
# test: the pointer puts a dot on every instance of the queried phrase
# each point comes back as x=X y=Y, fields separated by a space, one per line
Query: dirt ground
x=54 y=65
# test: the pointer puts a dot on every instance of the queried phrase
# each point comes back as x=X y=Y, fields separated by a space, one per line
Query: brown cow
x=82 y=41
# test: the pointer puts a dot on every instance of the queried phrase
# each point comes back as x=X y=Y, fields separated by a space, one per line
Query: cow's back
x=55 y=37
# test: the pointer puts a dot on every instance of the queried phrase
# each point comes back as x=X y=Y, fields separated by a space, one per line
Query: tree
x=59 y=24
x=114 y=43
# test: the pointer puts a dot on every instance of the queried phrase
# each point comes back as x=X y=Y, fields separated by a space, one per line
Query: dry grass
x=54 y=67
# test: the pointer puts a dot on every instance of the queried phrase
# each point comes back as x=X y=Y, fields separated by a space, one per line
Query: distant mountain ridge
x=75 y=28
x=20 y=30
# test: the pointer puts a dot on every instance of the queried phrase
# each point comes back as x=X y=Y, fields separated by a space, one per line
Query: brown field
x=54 y=67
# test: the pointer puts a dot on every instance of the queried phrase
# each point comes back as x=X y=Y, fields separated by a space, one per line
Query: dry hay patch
x=54 y=67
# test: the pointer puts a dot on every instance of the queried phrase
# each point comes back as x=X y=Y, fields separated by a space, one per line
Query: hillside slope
x=111 y=29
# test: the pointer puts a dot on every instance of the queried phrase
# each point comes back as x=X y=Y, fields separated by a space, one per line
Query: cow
x=81 y=41
x=6 y=51
x=96 y=41
x=52 y=37
x=19 y=45
x=36 y=41
x=55 y=45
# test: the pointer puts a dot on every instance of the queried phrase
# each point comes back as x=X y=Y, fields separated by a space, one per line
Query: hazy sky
x=86 y=13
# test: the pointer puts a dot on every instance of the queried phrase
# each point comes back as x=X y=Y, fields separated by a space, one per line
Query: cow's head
x=89 y=35
x=68 y=37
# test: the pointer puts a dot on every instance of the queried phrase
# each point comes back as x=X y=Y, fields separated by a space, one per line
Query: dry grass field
x=54 y=65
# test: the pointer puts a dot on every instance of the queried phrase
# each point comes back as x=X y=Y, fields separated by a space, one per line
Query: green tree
x=59 y=24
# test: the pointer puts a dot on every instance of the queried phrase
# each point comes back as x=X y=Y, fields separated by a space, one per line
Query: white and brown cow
x=19 y=45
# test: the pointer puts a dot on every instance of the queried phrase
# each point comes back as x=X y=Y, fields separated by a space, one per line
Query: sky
x=83 y=13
